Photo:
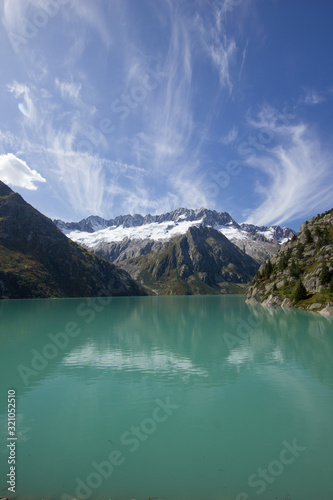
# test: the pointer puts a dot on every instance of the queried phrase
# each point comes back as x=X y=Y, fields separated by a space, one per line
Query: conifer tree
x=300 y=292
x=308 y=236
x=325 y=275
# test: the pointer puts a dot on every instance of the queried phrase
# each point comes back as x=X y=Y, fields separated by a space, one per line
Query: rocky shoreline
x=324 y=309
x=300 y=275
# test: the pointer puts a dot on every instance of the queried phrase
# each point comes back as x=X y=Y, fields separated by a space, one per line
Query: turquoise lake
x=182 y=398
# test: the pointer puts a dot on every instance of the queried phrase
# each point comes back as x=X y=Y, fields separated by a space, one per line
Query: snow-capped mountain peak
x=143 y=233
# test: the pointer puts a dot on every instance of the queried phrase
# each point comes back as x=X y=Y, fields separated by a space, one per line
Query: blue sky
x=111 y=107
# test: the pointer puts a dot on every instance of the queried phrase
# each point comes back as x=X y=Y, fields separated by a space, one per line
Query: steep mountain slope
x=37 y=260
x=203 y=261
x=301 y=274
x=133 y=235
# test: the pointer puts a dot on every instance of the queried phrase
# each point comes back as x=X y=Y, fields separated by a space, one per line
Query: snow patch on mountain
x=232 y=233
x=155 y=231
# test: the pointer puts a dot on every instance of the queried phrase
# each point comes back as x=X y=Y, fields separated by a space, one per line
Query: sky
x=111 y=107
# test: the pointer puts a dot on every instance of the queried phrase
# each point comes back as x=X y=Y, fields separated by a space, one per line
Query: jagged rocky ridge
x=130 y=236
x=301 y=274
x=37 y=260
x=95 y=223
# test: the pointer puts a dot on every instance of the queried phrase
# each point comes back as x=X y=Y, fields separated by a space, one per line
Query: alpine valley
x=181 y=252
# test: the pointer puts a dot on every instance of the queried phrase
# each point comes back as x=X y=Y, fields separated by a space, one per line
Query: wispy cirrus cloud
x=16 y=172
x=69 y=89
x=141 y=200
x=165 y=138
x=296 y=174
x=314 y=97
x=173 y=121
x=220 y=48
x=53 y=135
x=167 y=124
x=170 y=139
x=221 y=51
x=230 y=137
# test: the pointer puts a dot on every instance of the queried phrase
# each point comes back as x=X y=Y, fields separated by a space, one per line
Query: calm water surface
x=201 y=398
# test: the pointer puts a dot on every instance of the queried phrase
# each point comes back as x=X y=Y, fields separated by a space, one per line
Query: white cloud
x=80 y=174
x=297 y=172
x=243 y=59
x=168 y=122
x=221 y=52
x=230 y=137
x=141 y=200
x=189 y=188
x=16 y=172
x=220 y=48
x=69 y=90
x=313 y=97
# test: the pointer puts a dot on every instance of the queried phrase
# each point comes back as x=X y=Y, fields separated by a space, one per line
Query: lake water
x=182 y=398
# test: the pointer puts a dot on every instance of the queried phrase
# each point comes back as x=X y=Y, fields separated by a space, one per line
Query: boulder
x=269 y=287
x=252 y=300
x=315 y=306
x=272 y=301
x=312 y=284
x=327 y=311
x=286 y=303
x=280 y=284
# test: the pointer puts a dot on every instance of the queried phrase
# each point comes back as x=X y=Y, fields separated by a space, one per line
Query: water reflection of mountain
x=169 y=337
x=304 y=338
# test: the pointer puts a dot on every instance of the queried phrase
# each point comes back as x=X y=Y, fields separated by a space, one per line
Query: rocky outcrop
x=327 y=311
x=301 y=273
x=126 y=249
x=257 y=247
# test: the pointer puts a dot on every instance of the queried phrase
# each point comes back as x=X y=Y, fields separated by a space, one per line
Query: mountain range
x=129 y=236
x=37 y=260
x=181 y=252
